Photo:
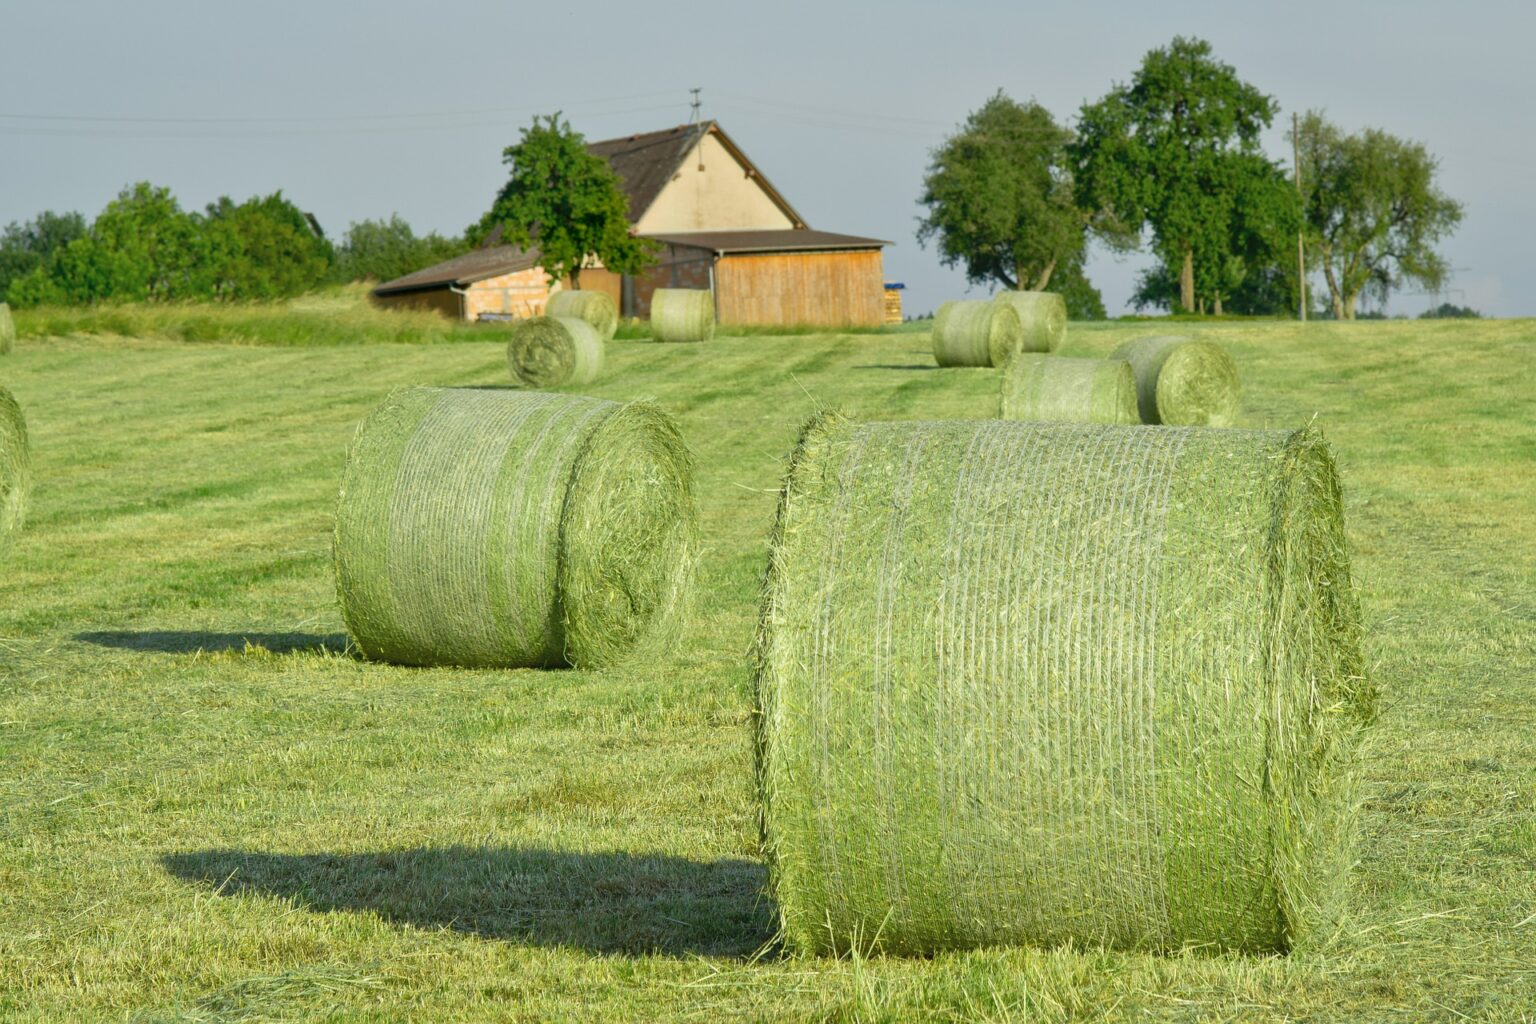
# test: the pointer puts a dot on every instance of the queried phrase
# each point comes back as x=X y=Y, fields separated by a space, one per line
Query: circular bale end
x=550 y=351
x=1042 y=317
x=497 y=528
x=682 y=314
x=1182 y=382
x=1057 y=683
x=596 y=308
x=1053 y=388
x=975 y=333
x=15 y=466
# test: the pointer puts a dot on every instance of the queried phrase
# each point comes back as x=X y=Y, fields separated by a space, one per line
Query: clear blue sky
x=360 y=110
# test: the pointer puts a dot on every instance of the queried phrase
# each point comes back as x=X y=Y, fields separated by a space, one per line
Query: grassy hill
x=210 y=812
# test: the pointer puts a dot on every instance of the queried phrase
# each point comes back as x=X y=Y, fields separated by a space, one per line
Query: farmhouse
x=721 y=225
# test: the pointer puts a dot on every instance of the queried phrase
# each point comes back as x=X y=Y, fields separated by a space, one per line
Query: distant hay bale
x=7 y=330
x=682 y=314
x=15 y=466
x=548 y=351
x=1181 y=382
x=975 y=333
x=1045 y=683
x=1042 y=315
x=596 y=308
x=1053 y=388
x=504 y=528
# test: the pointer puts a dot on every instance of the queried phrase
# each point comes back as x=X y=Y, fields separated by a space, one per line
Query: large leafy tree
x=263 y=248
x=386 y=249
x=1373 y=211
x=1177 y=152
x=1000 y=199
x=567 y=202
x=25 y=247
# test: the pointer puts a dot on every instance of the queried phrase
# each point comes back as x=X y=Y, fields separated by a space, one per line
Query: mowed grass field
x=210 y=811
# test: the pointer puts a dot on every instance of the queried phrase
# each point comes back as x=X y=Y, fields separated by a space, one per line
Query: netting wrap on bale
x=1042 y=317
x=15 y=466
x=1043 y=683
x=1181 y=382
x=974 y=333
x=682 y=314
x=7 y=330
x=548 y=351
x=596 y=308
x=1053 y=388
x=503 y=528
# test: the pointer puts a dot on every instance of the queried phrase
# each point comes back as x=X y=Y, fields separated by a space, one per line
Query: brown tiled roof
x=782 y=240
x=463 y=270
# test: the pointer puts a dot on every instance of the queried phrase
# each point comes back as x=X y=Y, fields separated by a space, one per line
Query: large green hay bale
x=505 y=528
x=548 y=351
x=7 y=330
x=682 y=314
x=1024 y=682
x=1041 y=387
x=596 y=308
x=1181 y=382
x=1042 y=315
x=15 y=466
x=975 y=333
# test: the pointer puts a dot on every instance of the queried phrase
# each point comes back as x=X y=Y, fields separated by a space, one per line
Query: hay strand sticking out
x=1046 y=388
x=1042 y=316
x=548 y=351
x=503 y=528
x=15 y=466
x=1024 y=682
x=682 y=314
x=596 y=308
x=1181 y=382
x=975 y=333
x=7 y=330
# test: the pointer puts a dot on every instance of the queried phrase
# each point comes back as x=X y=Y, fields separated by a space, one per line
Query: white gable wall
x=721 y=197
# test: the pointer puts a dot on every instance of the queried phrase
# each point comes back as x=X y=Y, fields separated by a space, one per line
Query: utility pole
x=697 y=106
x=1301 y=245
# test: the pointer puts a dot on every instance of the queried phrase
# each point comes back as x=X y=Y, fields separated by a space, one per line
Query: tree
x=383 y=250
x=1000 y=200
x=25 y=247
x=263 y=248
x=1373 y=211
x=567 y=202
x=1450 y=311
x=1177 y=151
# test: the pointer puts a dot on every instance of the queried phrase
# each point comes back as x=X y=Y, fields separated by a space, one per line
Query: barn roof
x=476 y=265
x=645 y=163
x=776 y=240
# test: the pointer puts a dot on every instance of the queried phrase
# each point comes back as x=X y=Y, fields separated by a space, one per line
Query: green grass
x=210 y=812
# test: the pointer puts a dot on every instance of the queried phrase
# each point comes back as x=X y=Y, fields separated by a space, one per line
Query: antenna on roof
x=696 y=106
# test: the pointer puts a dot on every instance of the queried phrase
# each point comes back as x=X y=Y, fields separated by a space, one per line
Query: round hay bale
x=975 y=333
x=548 y=351
x=1181 y=382
x=596 y=308
x=682 y=314
x=7 y=330
x=15 y=466
x=1040 y=387
x=504 y=528
x=1025 y=682
x=1042 y=315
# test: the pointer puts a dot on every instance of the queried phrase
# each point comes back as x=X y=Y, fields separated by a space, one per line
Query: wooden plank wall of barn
x=833 y=289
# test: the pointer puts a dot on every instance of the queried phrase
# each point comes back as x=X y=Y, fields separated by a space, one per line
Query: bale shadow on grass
x=195 y=642
x=604 y=903
x=896 y=366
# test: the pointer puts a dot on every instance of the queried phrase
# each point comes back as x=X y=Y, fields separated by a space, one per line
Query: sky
x=362 y=110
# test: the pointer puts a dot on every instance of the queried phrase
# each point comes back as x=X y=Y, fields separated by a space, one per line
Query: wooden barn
x=721 y=225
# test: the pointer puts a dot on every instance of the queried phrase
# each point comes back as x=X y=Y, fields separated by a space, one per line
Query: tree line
x=1173 y=160
x=144 y=247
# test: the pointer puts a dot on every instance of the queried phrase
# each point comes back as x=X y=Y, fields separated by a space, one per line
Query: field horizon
x=210 y=810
